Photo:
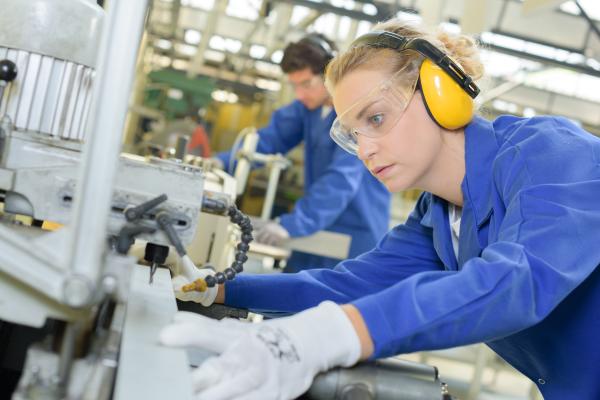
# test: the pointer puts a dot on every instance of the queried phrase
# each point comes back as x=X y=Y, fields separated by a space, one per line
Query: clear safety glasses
x=378 y=112
x=307 y=84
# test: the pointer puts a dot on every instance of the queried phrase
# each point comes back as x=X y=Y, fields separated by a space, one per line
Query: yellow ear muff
x=448 y=104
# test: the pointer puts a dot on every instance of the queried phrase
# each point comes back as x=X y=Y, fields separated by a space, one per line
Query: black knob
x=8 y=70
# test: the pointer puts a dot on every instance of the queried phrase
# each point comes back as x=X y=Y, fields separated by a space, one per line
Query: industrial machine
x=60 y=166
x=66 y=69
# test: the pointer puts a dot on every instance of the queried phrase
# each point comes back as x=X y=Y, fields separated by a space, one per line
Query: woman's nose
x=367 y=147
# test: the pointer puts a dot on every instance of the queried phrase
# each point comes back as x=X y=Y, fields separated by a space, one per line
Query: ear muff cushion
x=448 y=104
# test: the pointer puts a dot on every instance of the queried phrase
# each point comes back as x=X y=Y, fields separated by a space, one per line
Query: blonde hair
x=461 y=48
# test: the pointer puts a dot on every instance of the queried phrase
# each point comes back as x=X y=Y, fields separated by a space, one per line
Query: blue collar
x=481 y=148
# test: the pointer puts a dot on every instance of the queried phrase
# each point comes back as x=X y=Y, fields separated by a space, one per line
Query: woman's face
x=403 y=156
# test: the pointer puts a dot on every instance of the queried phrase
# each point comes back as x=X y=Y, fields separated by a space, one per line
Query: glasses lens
x=306 y=84
x=344 y=137
x=378 y=112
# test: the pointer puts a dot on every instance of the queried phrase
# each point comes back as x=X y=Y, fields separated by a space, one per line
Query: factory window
x=298 y=14
x=267 y=68
x=344 y=28
x=591 y=7
x=192 y=36
x=347 y=4
x=325 y=24
x=277 y=56
x=370 y=9
x=215 y=56
x=246 y=9
x=267 y=84
x=225 y=44
x=202 y=4
x=257 y=51
x=186 y=49
x=363 y=27
x=505 y=66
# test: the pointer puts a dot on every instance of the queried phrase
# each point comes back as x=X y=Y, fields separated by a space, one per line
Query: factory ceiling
x=542 y=56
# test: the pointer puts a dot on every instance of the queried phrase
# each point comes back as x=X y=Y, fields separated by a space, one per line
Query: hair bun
x=462 y=49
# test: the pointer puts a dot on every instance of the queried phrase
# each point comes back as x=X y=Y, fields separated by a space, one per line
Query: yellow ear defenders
x=447 y=91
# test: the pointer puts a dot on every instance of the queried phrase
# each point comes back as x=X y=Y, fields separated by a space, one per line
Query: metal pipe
x=271 y=190
x=118 y=51
x=181 y=147
x=389 y=379
x=250 y=141
x=67 y=352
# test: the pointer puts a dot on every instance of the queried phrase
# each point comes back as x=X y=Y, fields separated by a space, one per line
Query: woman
x=502 y=246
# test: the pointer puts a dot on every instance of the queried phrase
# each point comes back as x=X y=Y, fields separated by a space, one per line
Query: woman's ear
x=446 y=102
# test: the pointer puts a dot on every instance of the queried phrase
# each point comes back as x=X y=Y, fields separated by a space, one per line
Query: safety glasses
x=378 y=112
x=307 y=84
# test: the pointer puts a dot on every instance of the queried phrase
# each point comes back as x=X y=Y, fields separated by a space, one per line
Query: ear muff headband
x=321 y=44
x=447 y=91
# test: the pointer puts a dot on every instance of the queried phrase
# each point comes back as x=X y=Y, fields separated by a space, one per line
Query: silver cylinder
x=54 y=45
x=390 y=379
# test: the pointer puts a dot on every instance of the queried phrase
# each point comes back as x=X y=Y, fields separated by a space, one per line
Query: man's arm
x=327 y=197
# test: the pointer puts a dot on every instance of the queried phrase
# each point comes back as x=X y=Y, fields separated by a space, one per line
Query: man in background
x=340 y=195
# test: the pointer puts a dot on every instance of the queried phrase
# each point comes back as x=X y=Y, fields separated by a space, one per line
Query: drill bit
x=153 y=268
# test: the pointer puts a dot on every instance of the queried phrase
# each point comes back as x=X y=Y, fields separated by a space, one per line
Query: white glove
x=272 y=233
x=277 y=359
x=188 y=273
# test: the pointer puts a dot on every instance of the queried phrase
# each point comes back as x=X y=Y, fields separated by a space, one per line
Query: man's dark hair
x=313 y=51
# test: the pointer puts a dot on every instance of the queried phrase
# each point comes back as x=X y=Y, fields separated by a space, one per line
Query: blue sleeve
x=225 y=156
x=284 y=132
x=327 y=197
x=547 y=245
x=403 y=252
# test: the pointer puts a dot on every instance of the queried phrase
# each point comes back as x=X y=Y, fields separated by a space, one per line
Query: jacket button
x=541 y=381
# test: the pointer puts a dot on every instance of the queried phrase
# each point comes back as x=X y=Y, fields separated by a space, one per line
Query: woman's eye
x=376 y=120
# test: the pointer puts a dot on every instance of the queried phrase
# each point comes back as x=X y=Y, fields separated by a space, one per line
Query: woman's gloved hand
x=272 y=233
x=277 y=359
x=184 y=273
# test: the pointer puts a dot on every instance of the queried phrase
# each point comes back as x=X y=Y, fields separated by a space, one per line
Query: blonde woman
x=502 y=246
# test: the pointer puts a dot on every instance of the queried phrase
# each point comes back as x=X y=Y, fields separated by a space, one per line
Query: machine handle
x=8 y=71
x=135 y=213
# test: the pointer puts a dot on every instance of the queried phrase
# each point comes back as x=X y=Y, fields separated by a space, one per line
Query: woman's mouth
x=382 y=171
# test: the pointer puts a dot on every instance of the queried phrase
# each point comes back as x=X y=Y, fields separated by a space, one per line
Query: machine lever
x=135 y=213
x=127 y=236
x=8 y=72
x=165 y=223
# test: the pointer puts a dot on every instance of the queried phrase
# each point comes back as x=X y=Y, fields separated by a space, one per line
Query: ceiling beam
x=589 y=20
x=521 y=54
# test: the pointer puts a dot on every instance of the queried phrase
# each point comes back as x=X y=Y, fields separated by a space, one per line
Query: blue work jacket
x=340 y=194
x=525 y=282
